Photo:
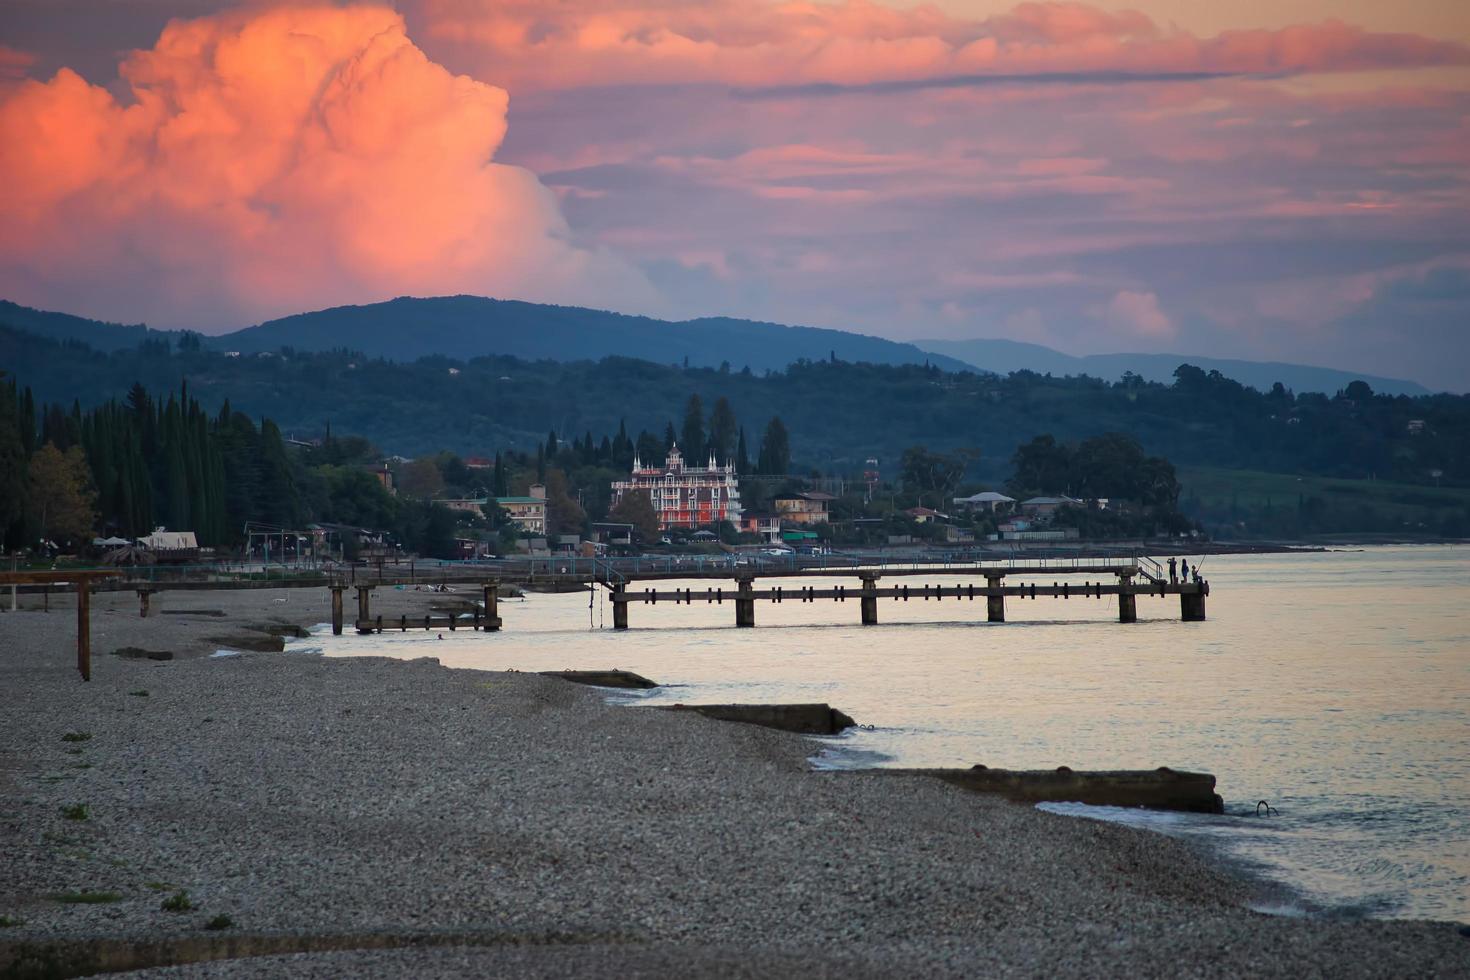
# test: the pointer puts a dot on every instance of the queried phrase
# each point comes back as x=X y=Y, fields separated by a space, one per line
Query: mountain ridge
x=407 y=328
x=1003 y=356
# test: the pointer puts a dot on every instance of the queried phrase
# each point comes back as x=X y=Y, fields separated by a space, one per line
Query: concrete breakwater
x=1154 y=789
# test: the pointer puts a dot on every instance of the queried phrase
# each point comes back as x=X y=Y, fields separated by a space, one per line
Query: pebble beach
x=269 y=813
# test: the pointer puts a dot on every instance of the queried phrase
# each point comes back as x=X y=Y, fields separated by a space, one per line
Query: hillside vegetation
x=838 y=413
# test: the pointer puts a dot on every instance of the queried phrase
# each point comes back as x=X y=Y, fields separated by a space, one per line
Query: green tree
x=60 y=494
x=420 y=478
x=12 y=462
x=563 y=514
x=635 y=508
x=692 y=435
x=775 y=453
x=724 y=431
x=1041 y=466
x=933 y=476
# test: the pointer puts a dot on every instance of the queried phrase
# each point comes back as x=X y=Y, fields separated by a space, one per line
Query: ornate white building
x=685 y=496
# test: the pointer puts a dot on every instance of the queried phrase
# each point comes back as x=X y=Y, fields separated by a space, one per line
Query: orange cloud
x=13 y=63
x=756 y=43
x=274 y=160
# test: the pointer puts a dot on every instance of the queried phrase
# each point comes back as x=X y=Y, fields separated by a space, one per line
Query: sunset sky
x=1285 y=180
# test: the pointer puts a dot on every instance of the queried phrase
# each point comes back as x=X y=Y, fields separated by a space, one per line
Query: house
x=1043 y=507
x=384 y=476
x=813 y=507
x=685 y=496
x=612 y=534
x=529 y=513
x=1415 y=427
x=466 y=505
x=923 y=515
x=479 y=462
x=171 y=545
x=994 y=503
x=765 y=524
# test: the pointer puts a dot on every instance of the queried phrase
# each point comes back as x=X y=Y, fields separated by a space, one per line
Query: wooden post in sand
x=337 y=591
x=84 y=629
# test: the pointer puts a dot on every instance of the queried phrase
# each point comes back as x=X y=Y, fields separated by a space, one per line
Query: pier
x=994 y=581
x=1129 y=582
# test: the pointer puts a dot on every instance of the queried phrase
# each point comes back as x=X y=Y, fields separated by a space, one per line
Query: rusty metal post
x=84 y=629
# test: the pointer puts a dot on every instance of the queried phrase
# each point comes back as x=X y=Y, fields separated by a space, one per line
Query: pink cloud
x=13 y=63
x=528 y=43
x=1138 y=313
x=275 y=160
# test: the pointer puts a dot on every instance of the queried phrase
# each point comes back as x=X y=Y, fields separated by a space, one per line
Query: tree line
x=838 y=412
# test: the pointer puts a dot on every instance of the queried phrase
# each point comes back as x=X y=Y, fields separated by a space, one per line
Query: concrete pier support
x=337 y=610
x=145 y=603
x=995 y=604
x=1127 y=601
x=364 y=603
x=745 y=604
x=870 y=600
x=492 y=607
x=1192 y=606
x=620 y=614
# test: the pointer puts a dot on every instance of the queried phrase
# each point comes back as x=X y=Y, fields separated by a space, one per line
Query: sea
x=1329 y=693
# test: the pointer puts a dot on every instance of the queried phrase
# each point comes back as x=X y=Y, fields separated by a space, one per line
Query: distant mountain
x=63 y=326
x=465 y=327
x=1005 y=356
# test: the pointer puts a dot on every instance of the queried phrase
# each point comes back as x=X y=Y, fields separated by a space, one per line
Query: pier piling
x=337 y=591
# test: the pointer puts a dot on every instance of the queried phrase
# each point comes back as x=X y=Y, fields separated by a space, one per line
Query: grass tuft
x=10 y=920
x=86 y=898
x=139 y=693
x=76 y=737
x=77 y=811
x=177 y=902
x=220 y=921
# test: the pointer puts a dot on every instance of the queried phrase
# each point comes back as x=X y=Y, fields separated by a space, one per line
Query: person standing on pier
x=1184 y=569
x=1173 y=572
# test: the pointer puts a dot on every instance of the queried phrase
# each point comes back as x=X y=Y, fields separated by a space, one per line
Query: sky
x=1283 y=180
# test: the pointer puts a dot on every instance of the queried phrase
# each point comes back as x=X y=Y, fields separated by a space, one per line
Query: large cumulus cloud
x=264 y=161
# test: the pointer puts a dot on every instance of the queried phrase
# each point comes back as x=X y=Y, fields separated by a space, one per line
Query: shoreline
x=533 y=826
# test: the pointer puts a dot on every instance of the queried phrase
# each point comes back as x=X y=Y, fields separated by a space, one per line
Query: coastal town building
x=466 y=505
x=768 y=526
x=685 y=496
x=995 y=503
x=812 y=507
x=529 y=513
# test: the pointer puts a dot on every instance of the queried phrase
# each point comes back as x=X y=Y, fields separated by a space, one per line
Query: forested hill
x=1005 y=356
x=838 y=413
x=406 y=329
x=64 y=326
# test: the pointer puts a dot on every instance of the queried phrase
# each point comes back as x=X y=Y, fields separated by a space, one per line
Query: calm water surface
x=1335 y=686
